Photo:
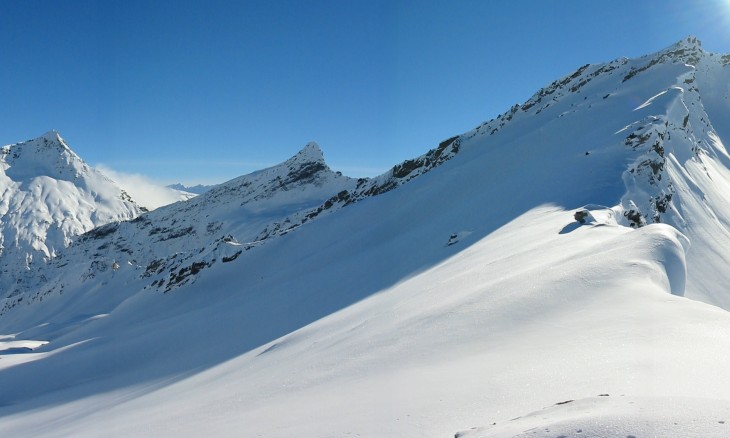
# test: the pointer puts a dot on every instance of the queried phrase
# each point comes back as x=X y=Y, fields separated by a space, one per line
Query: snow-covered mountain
x=169 y=246
x=665 y=114
x=48 y=195
x=559 y=270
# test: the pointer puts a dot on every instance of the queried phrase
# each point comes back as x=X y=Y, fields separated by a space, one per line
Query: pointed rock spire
x=310 y=153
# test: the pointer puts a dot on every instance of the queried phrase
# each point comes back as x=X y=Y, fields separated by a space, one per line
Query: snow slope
x=453 y=294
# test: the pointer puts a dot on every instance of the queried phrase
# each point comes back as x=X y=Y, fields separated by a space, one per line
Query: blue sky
x=204 y=91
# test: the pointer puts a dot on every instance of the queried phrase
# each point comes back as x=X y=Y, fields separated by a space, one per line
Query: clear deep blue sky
x=203 y=91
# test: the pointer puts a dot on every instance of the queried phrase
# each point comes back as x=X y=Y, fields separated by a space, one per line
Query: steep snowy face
x=48 y=195
x=644 y=135
x=650 y=109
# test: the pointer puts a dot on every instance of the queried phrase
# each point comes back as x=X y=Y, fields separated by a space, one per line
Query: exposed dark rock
x=635 y=218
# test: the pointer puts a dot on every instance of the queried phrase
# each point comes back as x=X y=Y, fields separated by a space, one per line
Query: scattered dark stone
x=635 y=218
x=153 y=267
x=662 y=203
x=581 y=216
x=178 y=233
x=102 y=231
x=232 y=257
x=306 y=172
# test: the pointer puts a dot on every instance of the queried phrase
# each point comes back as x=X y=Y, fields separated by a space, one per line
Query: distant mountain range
x=559 y=270
x=196 y=189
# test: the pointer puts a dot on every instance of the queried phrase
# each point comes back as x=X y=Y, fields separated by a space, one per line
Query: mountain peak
x=48 y=195
x=310 y=153
x=53 y=138
x=688 y=45
x=47 y=155
x=690 y=42
x=52 y=135
x=688 y=50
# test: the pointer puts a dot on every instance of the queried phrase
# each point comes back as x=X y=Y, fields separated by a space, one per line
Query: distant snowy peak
x=302 y=178
x=309 y=159
x=47 y=155
x=307 y=165
x=310 y=153
x=352 y=191
x=198 y=189
x=48 y=195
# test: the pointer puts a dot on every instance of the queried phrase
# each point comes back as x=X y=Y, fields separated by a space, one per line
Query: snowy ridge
x=240 y=214
x=543 y=260
x=665 y=114
x=169 y=246
x=395 y=177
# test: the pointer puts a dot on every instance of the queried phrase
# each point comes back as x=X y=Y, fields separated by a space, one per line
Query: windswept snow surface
x=468 y=339
x=456 y=294
x=616 y=416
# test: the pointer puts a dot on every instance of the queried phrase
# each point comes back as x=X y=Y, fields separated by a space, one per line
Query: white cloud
x=144 y=190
